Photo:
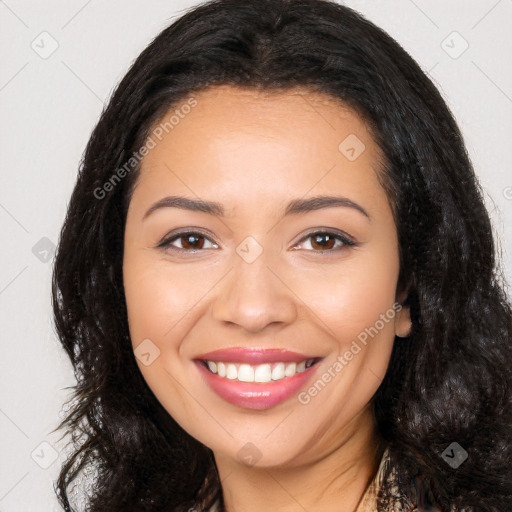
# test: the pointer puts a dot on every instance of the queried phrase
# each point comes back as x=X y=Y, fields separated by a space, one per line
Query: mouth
x=261 y=373
x=256 y=378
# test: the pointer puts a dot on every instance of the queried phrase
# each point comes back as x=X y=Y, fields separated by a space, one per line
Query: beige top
x=369 y=500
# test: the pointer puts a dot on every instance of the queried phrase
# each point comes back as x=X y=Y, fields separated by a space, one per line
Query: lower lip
x=258 y=395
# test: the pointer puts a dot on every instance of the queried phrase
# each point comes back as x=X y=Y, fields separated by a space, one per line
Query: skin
x=253 y=153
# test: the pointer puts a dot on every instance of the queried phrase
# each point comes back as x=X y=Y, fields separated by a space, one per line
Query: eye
x=325 y=241
x=190 y=241
x=193 y=241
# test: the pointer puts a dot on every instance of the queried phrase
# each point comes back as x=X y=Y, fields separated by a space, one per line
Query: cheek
x=159 y=298
x=354 y=301
x=161 y=305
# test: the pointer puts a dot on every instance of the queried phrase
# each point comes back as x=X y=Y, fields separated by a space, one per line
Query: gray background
x=49 y=103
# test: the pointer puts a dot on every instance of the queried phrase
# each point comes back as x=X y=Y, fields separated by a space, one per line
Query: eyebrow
x=295 y=207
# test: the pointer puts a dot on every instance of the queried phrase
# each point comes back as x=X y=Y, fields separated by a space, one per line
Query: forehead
x=237 y=140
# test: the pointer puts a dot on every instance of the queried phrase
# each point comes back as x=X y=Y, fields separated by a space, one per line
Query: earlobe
x=403 y=324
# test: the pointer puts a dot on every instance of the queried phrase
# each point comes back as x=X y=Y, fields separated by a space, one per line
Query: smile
x=266 y=372
x=255 y=378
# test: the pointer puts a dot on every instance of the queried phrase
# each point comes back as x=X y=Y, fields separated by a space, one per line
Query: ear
x=403 y=324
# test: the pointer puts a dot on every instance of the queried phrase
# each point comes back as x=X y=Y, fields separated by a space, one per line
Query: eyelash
x=345 y=241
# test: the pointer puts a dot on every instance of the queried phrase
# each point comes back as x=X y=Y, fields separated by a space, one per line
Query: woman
x=277 y=282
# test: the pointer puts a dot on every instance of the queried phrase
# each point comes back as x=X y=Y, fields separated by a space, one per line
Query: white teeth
x=231 y=372
x=262 y=373
x=289 y=371
x=246 y=373
x=266 y=372
x=221 y=369
x=278 y=372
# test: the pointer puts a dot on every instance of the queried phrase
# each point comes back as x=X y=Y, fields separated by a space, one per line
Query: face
x=260 y=279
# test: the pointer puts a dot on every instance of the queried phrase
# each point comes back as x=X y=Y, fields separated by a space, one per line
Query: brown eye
x=187 y=242
x=324 y=241
x=192 y=241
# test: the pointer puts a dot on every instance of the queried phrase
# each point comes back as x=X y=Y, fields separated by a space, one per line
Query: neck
x=333 y=477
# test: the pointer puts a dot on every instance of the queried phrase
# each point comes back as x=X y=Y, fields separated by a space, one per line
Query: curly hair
x=449 y=382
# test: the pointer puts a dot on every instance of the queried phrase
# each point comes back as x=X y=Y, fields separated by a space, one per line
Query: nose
x=254 y=296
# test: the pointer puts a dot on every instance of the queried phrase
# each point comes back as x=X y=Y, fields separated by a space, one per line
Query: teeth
x=278 y=372
x=289 y=370
x=263 y=373
x=266 y=372
x=245 y=373
x=231 y=372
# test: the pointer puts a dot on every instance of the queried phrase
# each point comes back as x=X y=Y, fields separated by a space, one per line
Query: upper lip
x=255 y=355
